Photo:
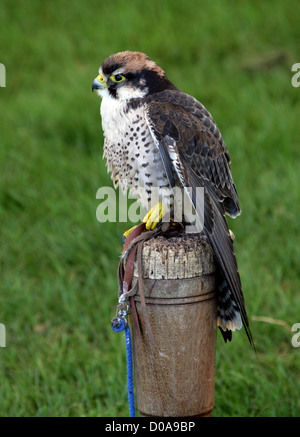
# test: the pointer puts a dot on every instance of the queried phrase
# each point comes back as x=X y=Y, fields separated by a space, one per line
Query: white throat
x=111 y=108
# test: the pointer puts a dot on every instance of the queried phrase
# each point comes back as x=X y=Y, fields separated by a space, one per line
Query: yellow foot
x=154 y=216
x=127 y=233
x=232 y=236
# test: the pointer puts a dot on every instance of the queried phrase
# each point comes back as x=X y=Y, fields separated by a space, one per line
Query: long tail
x=217 y=232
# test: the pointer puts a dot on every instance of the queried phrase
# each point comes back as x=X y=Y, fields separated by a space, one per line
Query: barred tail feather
x=228 y=314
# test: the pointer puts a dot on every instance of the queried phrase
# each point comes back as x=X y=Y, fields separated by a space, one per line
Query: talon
x=127 y=233
x=154 y=216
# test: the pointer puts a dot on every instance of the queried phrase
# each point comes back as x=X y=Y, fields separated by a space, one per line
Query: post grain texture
x=174 y=359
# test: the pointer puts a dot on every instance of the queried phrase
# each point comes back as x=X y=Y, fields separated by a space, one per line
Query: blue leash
x=129 y=371
x=118 y=324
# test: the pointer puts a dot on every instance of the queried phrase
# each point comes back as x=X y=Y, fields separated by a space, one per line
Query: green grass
x=58 y=264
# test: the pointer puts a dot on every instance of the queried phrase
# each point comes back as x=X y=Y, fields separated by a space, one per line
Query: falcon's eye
x=117 y=78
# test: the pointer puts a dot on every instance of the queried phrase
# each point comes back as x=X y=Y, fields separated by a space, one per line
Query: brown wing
x=180 y=125
x=198 y=139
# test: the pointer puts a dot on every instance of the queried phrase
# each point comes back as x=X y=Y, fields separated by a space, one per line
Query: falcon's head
x=128 y=75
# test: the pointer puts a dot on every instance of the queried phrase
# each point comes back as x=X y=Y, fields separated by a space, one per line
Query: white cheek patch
x=126 y=92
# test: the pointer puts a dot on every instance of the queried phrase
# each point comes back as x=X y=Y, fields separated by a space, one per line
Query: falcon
x=158 y=136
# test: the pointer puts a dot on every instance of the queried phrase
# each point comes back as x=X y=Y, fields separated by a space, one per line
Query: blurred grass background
x=58 y=264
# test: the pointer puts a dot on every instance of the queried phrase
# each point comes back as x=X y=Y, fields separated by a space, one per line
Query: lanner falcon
x=156 y=135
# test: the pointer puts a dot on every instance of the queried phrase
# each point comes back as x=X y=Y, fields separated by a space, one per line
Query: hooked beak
x=99 y=83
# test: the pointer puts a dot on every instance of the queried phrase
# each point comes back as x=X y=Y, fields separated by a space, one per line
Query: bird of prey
x=157 y=135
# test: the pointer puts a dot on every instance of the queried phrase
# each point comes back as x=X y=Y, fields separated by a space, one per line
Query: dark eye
x=117 y=78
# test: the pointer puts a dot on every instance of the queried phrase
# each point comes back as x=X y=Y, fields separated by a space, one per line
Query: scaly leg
x=154 y=216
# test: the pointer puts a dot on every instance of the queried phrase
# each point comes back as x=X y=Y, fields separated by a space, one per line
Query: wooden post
x=175 y=376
